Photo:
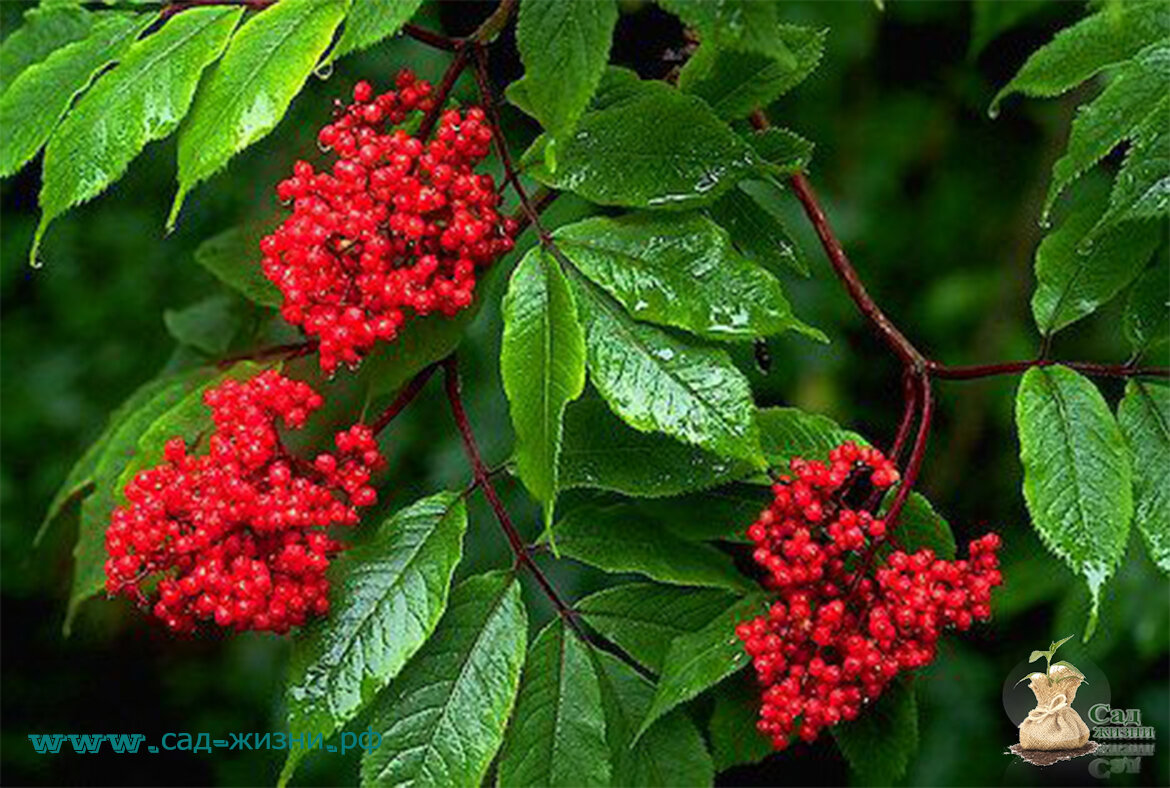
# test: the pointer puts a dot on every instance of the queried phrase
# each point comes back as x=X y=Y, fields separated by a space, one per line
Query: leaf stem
x=404 y=398
x=288 y=351
x=975 y=371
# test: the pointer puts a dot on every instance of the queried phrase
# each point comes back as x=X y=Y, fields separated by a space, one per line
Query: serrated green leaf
x=1076 y=275
x=699 y=660
x=790 y=432
x=43 y=31
x=735 y=740
x=264 y=68
x=557 y=735
x=743 y=25
x=1076 y=53
x=680 y=270
x=35 y=102
x=650 y=146
x=371 y=21
x=1129 y=100
x=141 y=99
x=564 y=47
x=1142 y=189
x=122 y=449
x=602 y=453
x=723 y=513
x=542 y=362
x=881 y=743
x=208 y=325
x=782 y=151
x=919 y=526
x=735 y=84
x=670 y=753
x=1077 y=476
x=643 y=618
x=756 y=231
x=1147 y=310
x=615 y=538
x=233 y=256
x=1144 y=416
x=388 y=596
x=443 y=718
x=655 y=381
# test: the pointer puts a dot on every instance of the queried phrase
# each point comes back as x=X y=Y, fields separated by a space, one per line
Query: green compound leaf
x=722 y=514
x=233 y=256
x=699 y=660
x=680 y=270
x=742 y=25
x=387 y=599
x=1078 y=483
x=880 y=743
x=1076 y=275
x=657 y=382
x=1130 y=101
x=644 y=145
x=643 y=618
x=781 y=151
x=737 y=83
x=564 y=47
x=671 y=752
x=600 y=452
x=265 y=66
x=557 y=735
x=1142 y=188
x=141 y=99
x=735 y=740
x=615 y=538
x=919 y=526
x=1147 y=310
x=371 y=21
x=755 y=230
x=443 y=718
x=790 y=432
x=1075 y=54
x=35 y=102
x=1144 y=416
x=542 y=362
x=43 y=32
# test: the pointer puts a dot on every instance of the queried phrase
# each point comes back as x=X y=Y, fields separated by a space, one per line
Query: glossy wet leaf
x=679 y=270
x=1076 y=53
x=723 y=513
x=564 y=47
x=140 y=100
x=443 y=718
x=372 y=21
x=756 y=231
x=387 y=597
x=1141 y=192
x=1144 y=416
x=882 y=742
x=657 y=382
x=42 y=31
x=557 y=733
x=601 y=452
x=1147 y=310
x=208 y=325
x=233 y=256
x=542 y=363
x=735 y=741
x=742 y=25
x=671 y=752
x=790 y=432
x=782 y=151
x=1077 y=476
x=643 y=618
x=247 y=94
x=736 y=83
x=1077 y=275
x=616 y=539
x=697 y=661
x=35 y=102
x=650 y=146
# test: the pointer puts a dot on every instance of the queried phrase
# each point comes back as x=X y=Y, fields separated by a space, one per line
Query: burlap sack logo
x=1053 y=731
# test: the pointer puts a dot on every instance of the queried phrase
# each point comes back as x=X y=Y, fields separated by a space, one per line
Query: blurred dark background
x=938 y=207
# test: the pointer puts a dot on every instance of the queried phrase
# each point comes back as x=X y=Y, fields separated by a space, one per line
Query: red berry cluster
x=837 y=634
x=237 y=536
x=398 y=223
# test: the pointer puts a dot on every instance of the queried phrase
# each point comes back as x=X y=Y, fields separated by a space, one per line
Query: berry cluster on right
x=841 y=629
x=399 y=225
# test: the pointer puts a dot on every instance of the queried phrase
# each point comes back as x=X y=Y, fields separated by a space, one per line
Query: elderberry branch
x=404 y=398
x=975 y=371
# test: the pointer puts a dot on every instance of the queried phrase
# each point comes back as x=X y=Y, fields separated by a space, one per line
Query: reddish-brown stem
x=442 y=92
x=404 y=398
x=910 y=406
x=431 y=38
x=289 y=351
x=975 y=371
x=917 y=453
x=540 y=201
